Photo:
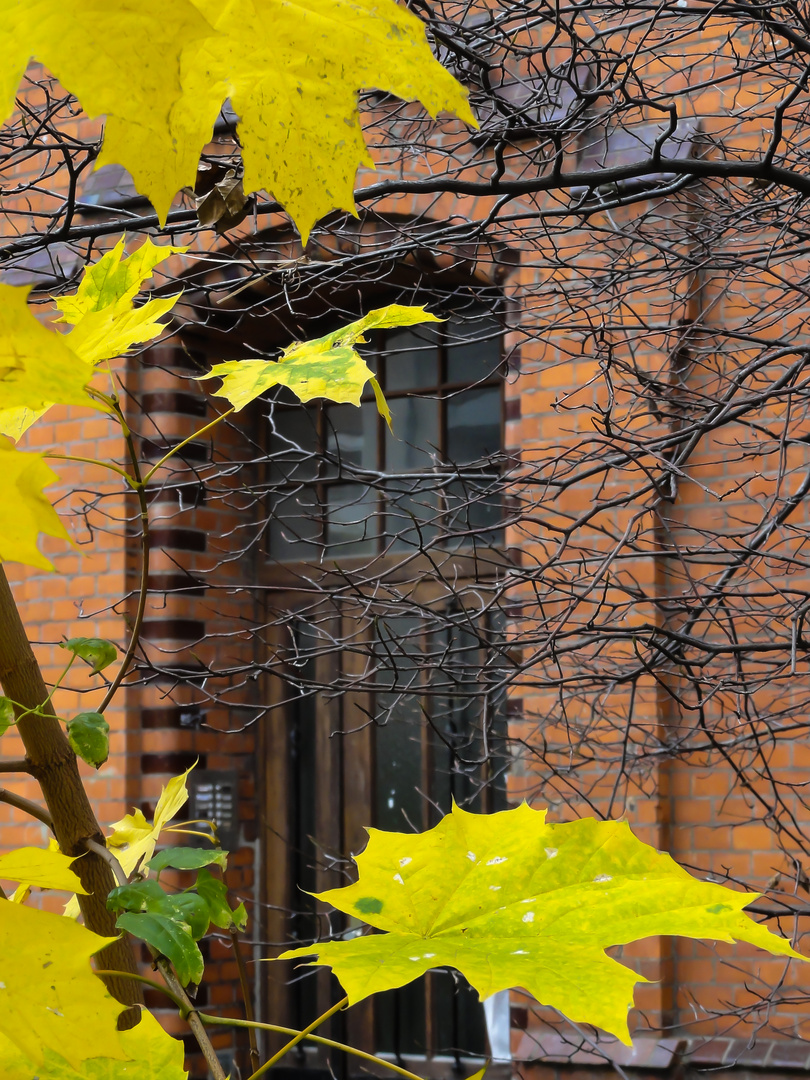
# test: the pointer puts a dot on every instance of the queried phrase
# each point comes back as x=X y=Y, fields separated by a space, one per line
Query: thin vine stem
x=297 y=1039
x=93 y=461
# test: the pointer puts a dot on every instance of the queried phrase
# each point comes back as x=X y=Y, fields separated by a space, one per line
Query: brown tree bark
x=52 y=762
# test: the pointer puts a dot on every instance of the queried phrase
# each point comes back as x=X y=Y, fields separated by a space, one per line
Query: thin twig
x=139 y=487
x=255 y=1060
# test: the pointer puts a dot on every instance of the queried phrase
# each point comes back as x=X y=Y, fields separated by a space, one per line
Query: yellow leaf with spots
x=292 y=69
x=326 y=367
x=510 y=901
x=155 y=1056
x=49 y=997
x=24 y=510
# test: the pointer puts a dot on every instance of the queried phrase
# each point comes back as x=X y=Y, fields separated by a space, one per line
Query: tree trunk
x=53 y=764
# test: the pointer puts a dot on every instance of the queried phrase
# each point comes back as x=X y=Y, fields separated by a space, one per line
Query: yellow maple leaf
x=160 y=73
x=37 y=367
x=24 y=510
x=327 y=367
x=50 y=997
x=156 y=1056
x=135 y=837
x=105 y=323
x=44 y=867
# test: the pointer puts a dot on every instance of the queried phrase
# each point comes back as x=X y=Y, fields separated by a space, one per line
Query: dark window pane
x=351 y=519
x=473 y=348
x=351 y=437
x=412 y=517
x=295 y=524
x=412 y=359
x=474 y=425
x=293 y=445
x=413 y=446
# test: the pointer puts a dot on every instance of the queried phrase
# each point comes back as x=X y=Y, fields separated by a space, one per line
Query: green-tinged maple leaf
x=37 y=368
x=7 y=717
x=113 y=282
x=49 y=996
x=47 y=868
x=155 y=1056
x=327 y=367
x=24 y=510
x=160 y=73
x=105 y=322
x=89 y=737
x=133 y=838
x=510 y=901
x=97 y=652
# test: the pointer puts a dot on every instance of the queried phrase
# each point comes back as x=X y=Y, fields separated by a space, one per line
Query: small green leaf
x=186 y=858
x=194 y=911
x=96 y=651
x=6 y=714
x=88 y=735
x=144 y=895
x=171 y=939
x=215 y=894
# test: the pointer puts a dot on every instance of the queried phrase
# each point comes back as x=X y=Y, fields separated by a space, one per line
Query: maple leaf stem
x=228 y=1021
x=185 y=442
x=92 y=461
x=297 y=1039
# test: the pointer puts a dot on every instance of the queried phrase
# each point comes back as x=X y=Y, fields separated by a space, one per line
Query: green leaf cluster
x=173 y=923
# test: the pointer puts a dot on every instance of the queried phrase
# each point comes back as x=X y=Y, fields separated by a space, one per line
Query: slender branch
x=109 y=858
x=193 y=1018
x=297 y=1038
x=255 y=1061
x=22 y=765
x=27 y=806
x=227 y=1021
x=139 y=487
x=185 y=442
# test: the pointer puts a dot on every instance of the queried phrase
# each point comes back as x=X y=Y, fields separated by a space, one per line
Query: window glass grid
x=341 y=479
